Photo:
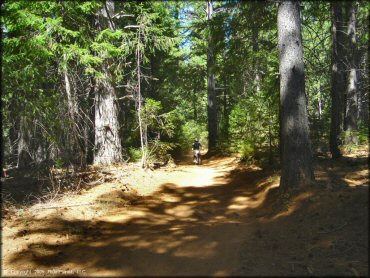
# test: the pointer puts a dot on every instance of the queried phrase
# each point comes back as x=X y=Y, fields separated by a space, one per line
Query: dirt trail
x=208 y=220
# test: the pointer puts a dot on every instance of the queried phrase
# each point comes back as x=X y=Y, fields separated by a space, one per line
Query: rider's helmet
x=196 y=140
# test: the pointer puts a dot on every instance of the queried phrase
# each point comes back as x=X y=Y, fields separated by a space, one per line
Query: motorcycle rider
x=196 y=147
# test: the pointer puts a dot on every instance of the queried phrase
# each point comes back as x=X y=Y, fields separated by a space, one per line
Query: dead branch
x=133 y=26
x=65 y=206
x=128 y=96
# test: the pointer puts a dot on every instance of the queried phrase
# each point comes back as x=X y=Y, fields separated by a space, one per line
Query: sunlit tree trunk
x=225 y=113
x=13 y=135
x=296 y=157
x=23 y=147
x=2 y=156
x=73 y=150
x=71 y=96
x=211 y=81
x=142 y=123
x=364 y=91
x=108 y=148
x=195 y=103
x=255 y=46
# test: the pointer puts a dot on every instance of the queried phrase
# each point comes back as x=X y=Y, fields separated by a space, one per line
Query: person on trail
x=196 y=150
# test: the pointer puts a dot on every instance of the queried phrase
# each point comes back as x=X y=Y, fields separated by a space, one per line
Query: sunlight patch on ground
x=202 y=177
x=243 y=202
x=221 y=273
x=159 y=245
x=180 y=211
x=353 y=183
x=239 y=203
x=200 y=250
x=123 y=216
x=170 y=198
x=357 y=178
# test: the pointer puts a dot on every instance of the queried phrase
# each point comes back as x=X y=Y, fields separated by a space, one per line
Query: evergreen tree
x=296 y=157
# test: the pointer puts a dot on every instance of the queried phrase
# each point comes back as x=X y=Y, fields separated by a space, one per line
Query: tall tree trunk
x=336 y=80
x=89 y=125
x=225 y=114
x=72 y=108
x=13 y=136
x=142 y=124
x=71 y=96
x=271 y=157
x=211 y=81
x=255 y=47
x=351 y=104
x=108 y=147
x=195 y=104
x=296 y=158
x=2 y=146
x=24 y=157
x=364 y=90
x=319 y=104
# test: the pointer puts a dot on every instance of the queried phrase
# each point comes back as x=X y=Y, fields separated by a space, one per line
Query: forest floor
x=221 y=218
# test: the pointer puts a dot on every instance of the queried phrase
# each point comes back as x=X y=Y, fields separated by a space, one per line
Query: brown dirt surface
x=221 y=218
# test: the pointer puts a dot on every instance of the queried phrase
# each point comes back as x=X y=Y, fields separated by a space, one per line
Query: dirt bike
x=197 y=157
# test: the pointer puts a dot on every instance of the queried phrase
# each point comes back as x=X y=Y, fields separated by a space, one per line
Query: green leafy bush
x=134 y=153
x=158 y=151
x=246 y=151
x=363 y=135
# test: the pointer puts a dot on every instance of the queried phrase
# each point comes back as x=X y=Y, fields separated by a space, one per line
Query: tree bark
x=72 y=149
x=195 y=104
x=255 y=46
x=211 y=84
x=336 y=81
x=24 y=157
x=319 y=104
x=296 y=158
x=13 y=135
x=351 y=103
x=71 y=97
x=142 y=124
x=2 y=156
x=89 y=125
x=108 y=147
x=364 y=89
x=271 y=158
x=225 y=113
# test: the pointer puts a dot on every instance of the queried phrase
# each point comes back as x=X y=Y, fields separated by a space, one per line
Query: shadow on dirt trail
x=236 y=225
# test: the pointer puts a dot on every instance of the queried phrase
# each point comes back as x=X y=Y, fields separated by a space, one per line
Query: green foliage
x=246 y=151
x=316 y=36
x=363 y=134
x=43 y=40
x=191 y=130
x=156 y=122
x=250 y=128
x=159 y=150
x=59 y=163
x=134 y=154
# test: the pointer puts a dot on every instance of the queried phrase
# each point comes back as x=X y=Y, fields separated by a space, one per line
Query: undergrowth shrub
x=134 y=154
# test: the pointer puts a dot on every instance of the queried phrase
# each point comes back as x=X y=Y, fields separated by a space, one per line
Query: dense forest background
x=106 y=82
x=102 y=100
